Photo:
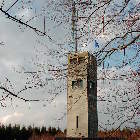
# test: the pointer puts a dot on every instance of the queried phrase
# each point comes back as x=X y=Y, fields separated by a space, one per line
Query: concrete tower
x=82 y=120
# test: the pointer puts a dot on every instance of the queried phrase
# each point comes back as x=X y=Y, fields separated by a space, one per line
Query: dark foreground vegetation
x=25 y=133
x=35 y=133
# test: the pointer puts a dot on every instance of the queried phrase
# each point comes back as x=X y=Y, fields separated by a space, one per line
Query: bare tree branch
x=25 y=24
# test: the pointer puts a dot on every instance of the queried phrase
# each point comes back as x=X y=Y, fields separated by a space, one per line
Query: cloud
x=8 y=118
x=24 y=14
x=9 y=63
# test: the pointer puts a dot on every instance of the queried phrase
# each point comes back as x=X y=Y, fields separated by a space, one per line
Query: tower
x=82 y=120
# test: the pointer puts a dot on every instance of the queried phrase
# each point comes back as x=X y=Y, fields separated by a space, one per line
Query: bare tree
x=115 y=25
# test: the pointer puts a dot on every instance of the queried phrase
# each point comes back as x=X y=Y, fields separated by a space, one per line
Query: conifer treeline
x=24 y=133
x=17 y=132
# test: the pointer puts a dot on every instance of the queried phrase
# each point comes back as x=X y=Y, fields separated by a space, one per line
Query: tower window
x=81 y=60
x=74 y=84
x=90 y=85
x=77 y=84
x=80 y=83
x=77 y=119
x=73 y=61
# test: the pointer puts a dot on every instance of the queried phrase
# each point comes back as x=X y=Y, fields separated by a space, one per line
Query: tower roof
x=77 y=55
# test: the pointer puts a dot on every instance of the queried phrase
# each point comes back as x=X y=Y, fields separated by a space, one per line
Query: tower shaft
x=82 y=120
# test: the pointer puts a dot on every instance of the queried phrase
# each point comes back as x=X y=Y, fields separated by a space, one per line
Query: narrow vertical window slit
x=77 y=119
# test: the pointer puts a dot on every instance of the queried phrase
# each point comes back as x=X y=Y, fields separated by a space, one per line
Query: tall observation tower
x=82 y=119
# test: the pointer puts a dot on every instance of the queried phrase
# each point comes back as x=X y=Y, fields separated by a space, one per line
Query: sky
x=18 y=51
x=24 y=50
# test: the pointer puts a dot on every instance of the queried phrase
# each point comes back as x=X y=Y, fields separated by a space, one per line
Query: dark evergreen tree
x=54 y=131
x=43 y=130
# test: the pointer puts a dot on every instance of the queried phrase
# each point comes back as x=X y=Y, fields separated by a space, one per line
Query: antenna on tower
x=75 y=20
x=44 y=25
x=74 y=25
